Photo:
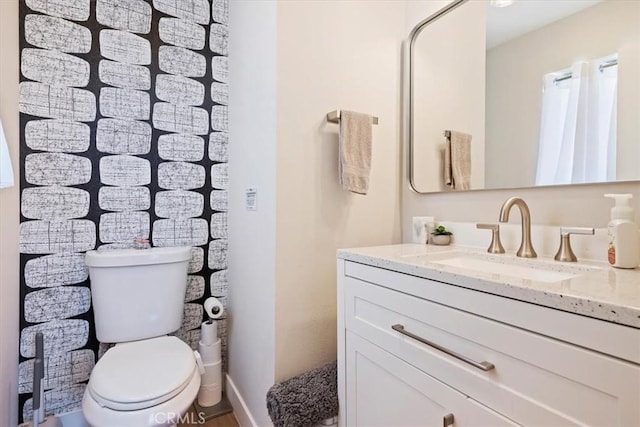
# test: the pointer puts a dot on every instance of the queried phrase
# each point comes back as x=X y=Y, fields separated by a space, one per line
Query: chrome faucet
x=526 y=248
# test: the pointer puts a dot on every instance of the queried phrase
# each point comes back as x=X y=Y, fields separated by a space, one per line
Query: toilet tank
x=137 y=293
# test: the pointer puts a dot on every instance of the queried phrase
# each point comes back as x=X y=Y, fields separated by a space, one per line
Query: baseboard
x=240 y=408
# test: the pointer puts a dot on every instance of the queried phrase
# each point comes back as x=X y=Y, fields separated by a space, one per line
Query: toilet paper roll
x=212 y=374
x=210 y=392
x=210 y=353
x=209 y=332
x=209 y=395
x=213 y=307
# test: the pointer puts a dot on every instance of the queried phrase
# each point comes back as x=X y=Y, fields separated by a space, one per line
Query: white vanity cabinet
x=419 y=352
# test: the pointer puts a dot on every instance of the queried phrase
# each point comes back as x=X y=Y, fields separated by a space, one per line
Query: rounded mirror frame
x=407 y=98
x=409 y=49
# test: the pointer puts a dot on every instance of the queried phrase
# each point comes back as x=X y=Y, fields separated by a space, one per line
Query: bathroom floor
x=227 y=420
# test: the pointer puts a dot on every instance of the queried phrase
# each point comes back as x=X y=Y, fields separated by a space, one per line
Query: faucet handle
x=495 y=247
x=565 y=253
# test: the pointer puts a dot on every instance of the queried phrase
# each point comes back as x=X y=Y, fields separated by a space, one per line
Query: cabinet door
x=384 y=391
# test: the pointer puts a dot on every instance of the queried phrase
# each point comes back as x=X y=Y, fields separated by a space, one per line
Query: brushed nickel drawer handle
x=484 y=366
x=448 y=420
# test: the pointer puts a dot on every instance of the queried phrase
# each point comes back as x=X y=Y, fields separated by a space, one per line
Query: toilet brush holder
x=39 y=420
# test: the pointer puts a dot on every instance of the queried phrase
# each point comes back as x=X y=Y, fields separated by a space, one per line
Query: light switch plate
x=421 y=228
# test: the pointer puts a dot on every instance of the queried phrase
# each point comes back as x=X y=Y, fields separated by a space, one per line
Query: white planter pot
x=441 y=239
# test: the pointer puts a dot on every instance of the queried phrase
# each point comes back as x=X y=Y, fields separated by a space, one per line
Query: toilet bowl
x=146 y=383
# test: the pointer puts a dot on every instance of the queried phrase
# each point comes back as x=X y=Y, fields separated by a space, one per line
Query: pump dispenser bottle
x=624 y=237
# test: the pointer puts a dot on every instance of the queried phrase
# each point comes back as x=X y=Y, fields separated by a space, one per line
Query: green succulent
x=441 y=230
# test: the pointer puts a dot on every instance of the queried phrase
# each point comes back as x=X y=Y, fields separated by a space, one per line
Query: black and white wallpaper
x=123 y=137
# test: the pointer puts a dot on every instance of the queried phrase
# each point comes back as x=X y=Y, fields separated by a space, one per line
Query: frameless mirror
x=548 y=91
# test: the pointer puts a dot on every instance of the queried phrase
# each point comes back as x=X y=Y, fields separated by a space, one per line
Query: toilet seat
x=155 y=416
x=141 y=374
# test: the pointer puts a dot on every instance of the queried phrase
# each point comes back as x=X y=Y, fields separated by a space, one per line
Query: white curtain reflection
x=578 y=126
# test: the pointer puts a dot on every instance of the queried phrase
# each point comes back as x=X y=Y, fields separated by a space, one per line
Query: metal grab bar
x=483 y=366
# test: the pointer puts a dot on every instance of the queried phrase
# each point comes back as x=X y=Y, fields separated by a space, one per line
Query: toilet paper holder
x=209 y=350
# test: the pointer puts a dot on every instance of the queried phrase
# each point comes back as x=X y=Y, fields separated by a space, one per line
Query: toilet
x=148 y=379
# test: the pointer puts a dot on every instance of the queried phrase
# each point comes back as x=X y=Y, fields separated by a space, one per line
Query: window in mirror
x=578 y=119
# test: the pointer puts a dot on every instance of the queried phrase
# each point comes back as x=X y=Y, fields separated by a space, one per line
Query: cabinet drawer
x=385 y=391
x=622 y=342
x=536 y=380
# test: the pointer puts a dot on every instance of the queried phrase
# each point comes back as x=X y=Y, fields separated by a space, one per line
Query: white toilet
x=148 y=378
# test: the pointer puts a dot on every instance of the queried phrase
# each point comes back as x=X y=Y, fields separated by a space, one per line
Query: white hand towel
x=355 y=151
x=457 y=161
x=6 y=171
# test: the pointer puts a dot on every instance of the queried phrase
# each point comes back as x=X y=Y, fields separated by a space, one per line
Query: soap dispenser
x=624 y=237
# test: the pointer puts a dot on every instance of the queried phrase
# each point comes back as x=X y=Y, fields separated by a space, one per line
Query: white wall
x=418 y=10
x=514 y=81
x=252 y=153
x=282 y=292
x=331 y=55
x=9 y=218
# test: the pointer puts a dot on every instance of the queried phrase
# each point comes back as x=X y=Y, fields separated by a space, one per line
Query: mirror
x=548 y=91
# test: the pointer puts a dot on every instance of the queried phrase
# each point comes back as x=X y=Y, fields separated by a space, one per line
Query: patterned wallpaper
x=123 y=136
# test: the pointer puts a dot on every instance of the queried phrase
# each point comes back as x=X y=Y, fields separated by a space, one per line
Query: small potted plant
x=441 y=236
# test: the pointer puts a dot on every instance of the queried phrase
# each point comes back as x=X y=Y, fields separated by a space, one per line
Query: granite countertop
x=588 y=288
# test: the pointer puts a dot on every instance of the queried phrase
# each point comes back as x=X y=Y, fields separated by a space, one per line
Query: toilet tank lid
x=129 y=257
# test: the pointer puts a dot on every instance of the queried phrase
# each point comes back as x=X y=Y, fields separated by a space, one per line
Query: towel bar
x=334 y=117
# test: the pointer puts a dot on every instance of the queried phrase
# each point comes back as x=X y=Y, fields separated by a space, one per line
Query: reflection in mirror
x=549 y=93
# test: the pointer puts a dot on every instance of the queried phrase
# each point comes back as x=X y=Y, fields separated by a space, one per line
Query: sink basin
x=506 y=269
x=525 y=269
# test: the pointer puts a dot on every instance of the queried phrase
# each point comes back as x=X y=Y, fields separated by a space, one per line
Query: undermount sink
x=504 y=265
x=491 y=267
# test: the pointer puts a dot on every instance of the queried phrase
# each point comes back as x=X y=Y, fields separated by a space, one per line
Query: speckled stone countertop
x=588 y=288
